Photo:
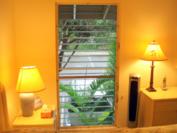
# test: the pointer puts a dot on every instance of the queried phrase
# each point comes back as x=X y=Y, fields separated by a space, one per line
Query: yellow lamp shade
x=29 y=80
x=153 y=52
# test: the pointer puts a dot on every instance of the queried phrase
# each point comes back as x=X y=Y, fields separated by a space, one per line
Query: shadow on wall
x=4 y=122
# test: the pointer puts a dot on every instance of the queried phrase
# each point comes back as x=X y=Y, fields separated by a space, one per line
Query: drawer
x=165 y=117
x=165 y=105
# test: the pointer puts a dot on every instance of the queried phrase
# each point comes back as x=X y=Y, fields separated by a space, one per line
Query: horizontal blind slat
x=80 y=77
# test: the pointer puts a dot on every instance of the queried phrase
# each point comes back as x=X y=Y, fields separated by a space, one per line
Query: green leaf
x=70 y=106
x=103 y=116
x=80 y=100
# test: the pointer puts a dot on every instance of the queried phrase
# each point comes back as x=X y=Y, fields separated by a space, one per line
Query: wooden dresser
x=157 y=108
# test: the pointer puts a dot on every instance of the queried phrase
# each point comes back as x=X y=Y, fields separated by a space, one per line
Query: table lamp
x=29 y=82
x=153 y=53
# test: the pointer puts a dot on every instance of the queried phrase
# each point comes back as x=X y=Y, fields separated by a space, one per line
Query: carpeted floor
x=156 y=129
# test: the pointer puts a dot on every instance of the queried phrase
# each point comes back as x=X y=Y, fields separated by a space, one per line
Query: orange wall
x=7 y=60
x=35 y=39
x=141 y=21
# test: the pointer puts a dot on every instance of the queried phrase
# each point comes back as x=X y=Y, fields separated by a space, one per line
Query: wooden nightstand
x=158 y=108
x=33 y=121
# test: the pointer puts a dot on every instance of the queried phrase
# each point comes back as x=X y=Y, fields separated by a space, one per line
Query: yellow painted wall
x=36 y=41
x=141 y=21
x=7 y=57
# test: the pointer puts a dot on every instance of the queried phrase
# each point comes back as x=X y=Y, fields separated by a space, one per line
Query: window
x=87 y=59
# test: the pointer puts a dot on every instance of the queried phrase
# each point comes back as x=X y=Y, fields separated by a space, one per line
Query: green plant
x=87 y=116
x=80 y=101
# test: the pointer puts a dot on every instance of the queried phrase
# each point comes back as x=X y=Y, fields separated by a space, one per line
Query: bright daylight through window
x=87 y=58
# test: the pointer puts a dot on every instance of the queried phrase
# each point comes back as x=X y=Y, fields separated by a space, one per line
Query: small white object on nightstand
x=164 y=84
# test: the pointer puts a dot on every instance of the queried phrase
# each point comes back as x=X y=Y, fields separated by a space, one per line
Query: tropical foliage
x=88 y=115
x=87 y=105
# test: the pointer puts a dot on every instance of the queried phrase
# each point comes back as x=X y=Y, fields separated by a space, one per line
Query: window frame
x=107 y=128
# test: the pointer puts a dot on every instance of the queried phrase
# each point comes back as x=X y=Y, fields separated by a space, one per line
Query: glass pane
x=87 y=56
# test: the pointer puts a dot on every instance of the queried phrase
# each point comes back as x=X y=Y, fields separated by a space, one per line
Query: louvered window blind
x=87 y=56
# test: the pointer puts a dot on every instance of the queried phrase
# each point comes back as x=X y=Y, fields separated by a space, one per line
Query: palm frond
x=79 y=99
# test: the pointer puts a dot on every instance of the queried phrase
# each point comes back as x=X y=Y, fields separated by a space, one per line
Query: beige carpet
x=157 y=129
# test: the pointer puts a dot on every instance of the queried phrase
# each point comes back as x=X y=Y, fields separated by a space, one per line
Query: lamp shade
x=153 y=52
x=29 y=80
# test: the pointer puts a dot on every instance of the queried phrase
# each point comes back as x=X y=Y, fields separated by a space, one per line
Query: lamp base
x=151 y=89
x=27 y=103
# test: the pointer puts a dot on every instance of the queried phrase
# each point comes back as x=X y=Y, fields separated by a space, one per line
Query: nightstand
x=157 y=108
x=33 y=121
